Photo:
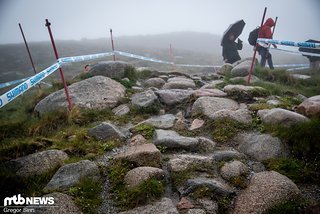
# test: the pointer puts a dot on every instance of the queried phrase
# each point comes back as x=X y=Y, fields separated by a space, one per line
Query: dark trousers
x=265 y=55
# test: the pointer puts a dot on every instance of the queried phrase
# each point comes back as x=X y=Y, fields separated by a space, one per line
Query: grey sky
x=76 y=19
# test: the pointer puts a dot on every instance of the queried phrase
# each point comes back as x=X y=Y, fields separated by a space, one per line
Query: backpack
x=253 y=36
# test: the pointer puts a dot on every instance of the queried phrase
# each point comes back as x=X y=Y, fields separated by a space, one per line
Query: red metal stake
x=60 y=70
x=114 y=56
x=256 y=47
x=171 y=54
x=25 y=42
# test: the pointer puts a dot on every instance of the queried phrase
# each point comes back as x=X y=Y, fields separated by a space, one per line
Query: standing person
x=230 y=49
x=266 y=33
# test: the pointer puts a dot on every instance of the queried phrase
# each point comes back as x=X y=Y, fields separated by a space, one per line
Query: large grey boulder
x=154 y=82
x=310 y=107
x=138 y=175
x=260 y=146
x=107 y=131
x=70 y=174
x=94 y=93
x=278 y=116
x=172 y=140
x=164 y=206
x=38 y=163
x=225 y=69
x=63 y=204
x=112 y=69
x=172 y=97
x=179 y=83
x=207 y=106
x=266 y=190
x=241 y=69
x=144 y=99
x=142 y=155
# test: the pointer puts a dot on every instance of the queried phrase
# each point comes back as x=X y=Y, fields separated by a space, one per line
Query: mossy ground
x=126 y=198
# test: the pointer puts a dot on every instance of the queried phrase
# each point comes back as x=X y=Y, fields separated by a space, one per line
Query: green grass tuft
x=87 y=194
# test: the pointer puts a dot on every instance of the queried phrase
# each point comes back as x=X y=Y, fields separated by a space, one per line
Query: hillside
x=188 y=47
x=159 y=142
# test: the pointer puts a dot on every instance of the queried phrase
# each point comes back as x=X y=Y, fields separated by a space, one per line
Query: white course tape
x=290 y=43
x=296 y=52
x=121 y=53
x=26 y=85
x=290 y=65
x=84 y=57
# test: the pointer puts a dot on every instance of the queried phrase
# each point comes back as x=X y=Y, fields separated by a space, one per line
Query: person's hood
x=269 y=22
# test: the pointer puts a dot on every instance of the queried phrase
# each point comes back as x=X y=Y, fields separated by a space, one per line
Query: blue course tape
x=296 y=52
x=26 y=85
x=84 y=57
x=290 y=43
x=6 y=84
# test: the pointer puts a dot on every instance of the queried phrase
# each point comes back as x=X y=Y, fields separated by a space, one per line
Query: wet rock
x=242 y=92
x=112 y=69
x=107 y=131
x=172 y=140
x=142 y=155
x=138 y=175
x=154 y=82
x=240 y=115
x=179 y=83
x=184 y=203
x=260 y=146
x=37 y=163
x=209 y=93
x=184 y=162
x=165 y=121
x=207 y=106
x=266 y=190
x=278 y=116
x=213 y=185
x=233 y=168
x=121 y=110
x=310 y=107
x=227 y=155
x=70 y=174
x=144 y=99
x=137 y=140
x=172 y=97
x=94 y=93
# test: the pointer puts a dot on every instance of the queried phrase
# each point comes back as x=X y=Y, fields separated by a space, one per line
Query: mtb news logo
x=12 y=204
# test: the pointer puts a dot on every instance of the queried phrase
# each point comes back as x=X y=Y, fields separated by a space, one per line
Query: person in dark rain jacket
x=230 y=49
x=266 y=32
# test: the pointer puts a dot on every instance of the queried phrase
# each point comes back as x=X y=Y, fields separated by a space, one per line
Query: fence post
x=60 y=69
x=256 y=47
x=112 y=44
x=171 y=55
x=25 y=42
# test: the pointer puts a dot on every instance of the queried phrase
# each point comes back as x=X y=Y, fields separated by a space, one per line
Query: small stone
x=184 y=203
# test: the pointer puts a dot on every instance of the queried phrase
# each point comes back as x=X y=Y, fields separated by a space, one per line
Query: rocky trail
x=202 y=170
